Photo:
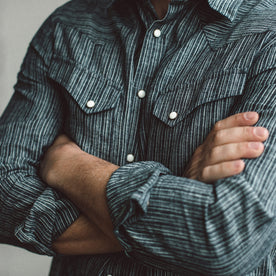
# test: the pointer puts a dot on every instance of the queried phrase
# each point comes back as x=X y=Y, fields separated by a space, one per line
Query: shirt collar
x=228 y=8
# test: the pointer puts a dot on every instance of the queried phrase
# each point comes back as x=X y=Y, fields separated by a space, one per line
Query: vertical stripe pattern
x=82 y=75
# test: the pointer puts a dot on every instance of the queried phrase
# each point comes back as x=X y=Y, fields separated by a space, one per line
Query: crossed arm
x=83 y=178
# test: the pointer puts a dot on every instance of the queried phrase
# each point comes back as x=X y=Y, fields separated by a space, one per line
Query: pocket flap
x=91 y=92
x=173 y=106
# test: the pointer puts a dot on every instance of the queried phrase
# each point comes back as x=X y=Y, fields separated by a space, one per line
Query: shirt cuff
x=49 y=217
x=128 y=193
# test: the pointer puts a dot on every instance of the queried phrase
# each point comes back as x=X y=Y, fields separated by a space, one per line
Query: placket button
x=141 y=94
x=173 y=115
x=130 y=158
x=90 y=104
x=157 y=33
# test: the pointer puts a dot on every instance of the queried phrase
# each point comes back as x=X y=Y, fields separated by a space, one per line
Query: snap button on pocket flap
x=90 y=91
x=173 y=106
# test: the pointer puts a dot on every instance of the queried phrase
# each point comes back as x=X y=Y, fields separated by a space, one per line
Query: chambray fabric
x=213 y=59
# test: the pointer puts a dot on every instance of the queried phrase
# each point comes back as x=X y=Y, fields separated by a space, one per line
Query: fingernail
x=259 y=131
x=254 y=145
x=250 y=115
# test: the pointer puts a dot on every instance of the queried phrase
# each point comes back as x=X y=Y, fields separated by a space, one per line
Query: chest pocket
x=182 y=100
x=90 y=92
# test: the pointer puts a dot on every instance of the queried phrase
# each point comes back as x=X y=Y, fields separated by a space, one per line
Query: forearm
x=85 y=238
x=83 y=179
x=92 y=233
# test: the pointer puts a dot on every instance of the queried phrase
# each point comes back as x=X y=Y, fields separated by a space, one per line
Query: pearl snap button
x=173 y=115
x=142 y=94
x=157 y=33
x=130 y=158
x=90 y=104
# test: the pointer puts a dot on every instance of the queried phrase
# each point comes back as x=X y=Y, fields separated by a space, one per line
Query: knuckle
x=229 y=151
x=248 y=132
x=237 y=118
x=225 y=169
x=204 y=174
x=248 y=149
x=244 y=150
x=218 y=126
x=222 y=168
x=254 y=149
x=218 y=137
x=213 y=153
x=258 y=147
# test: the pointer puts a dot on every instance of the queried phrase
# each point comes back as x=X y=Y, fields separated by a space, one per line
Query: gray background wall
x=19 y=20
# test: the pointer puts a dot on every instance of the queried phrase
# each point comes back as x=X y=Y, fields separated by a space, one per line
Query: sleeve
x=32 y=215
x=180 y=224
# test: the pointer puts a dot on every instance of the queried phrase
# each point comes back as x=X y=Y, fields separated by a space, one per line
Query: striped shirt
x=144 y=93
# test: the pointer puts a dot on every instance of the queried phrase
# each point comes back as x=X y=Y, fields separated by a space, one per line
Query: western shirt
x=143 y=93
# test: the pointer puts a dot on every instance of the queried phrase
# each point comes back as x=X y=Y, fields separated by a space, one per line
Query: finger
x=239 y=134
x=240 y=119
x=213 y=173
x=62 y=139
x=234 y=151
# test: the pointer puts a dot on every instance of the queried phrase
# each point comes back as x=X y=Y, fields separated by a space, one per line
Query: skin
x=83 y=178
x=161 y=7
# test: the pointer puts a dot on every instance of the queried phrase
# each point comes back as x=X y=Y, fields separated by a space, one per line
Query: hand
x=57 y=163
x=230 y=140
